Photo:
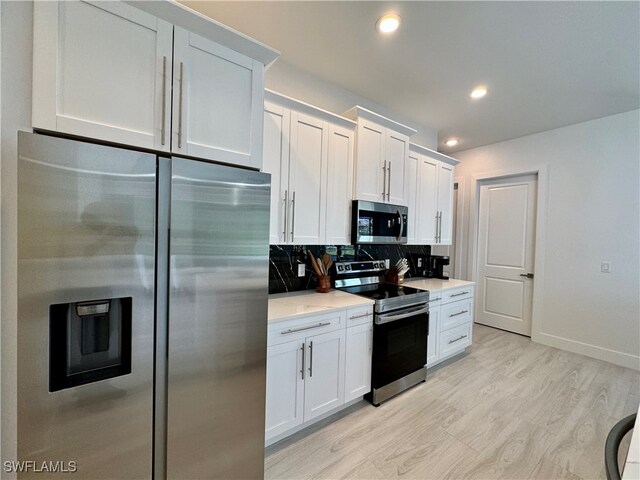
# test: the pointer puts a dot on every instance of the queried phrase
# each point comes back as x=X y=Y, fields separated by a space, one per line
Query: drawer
x=456 y=294
x=359 y=315
x=456 y=313
x=455 y=340
x=300 y=328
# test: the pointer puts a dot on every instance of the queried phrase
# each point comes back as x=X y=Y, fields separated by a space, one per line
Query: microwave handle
x=401 y=225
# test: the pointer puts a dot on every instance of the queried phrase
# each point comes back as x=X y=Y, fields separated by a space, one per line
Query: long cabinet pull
x=360 y=316
x=180 y=105
x=302 y=367
x=294 y=330
x=440 y=229
x=286 y=210
x=389 y=181
x=293 y=214
x=434 y=299
x=384 y=180
x=457 y=339
x=311 y=359
x=458 y=294
x=437 y=223
x=164 y=99
x=459 y=313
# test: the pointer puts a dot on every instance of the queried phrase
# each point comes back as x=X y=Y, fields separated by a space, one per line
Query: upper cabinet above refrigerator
x=155 y=75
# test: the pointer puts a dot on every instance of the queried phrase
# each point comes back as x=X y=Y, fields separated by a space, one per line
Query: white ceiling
x=546 y=64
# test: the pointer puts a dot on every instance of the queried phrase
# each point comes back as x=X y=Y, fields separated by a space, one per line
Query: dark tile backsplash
x=284 y=261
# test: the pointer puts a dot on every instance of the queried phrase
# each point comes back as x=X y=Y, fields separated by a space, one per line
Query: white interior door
x=506 y=235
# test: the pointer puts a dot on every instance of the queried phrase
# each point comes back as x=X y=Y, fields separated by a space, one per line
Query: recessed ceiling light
x=452 y=142
x=479 y=92
x=388 y=23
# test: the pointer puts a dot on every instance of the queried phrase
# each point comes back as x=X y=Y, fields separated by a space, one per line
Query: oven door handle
x=380 y=319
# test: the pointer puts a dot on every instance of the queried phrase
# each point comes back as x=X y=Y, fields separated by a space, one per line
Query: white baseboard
x=612 y=356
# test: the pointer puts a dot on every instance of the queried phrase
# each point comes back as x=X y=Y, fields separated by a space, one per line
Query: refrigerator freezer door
x=85 y=234
x=217 y=321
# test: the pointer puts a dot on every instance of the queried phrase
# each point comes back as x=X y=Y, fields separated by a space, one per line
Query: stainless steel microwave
x=378 y=223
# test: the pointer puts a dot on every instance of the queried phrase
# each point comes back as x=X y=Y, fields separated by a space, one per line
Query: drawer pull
x=435 y=299
x=458 y=294
x=457 y=339
x=294 y=330
x=360 y=316
x=459 y=313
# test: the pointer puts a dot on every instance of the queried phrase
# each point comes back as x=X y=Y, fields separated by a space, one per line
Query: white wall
x=293 y=82
x=15 y=111
x=592 y=216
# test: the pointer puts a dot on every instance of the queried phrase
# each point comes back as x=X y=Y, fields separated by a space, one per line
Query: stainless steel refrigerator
x=142 y=313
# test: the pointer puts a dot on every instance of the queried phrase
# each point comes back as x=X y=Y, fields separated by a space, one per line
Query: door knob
x=528 y=275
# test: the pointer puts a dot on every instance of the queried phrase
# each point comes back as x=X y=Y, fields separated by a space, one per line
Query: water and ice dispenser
x=89 y=341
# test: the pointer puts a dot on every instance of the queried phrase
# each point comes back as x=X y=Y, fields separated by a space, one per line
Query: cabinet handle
x=359 y=316
x=164 y=99
x=180 y=105
x=436 y=236
x=458 y=294
x=286 y=204
x=384 y=180
x=389 y=180
x=457 y=339
x=293 y=214
x=302 y=367
x=311 y=359
x=294 y=330
x=434 y=299
x=440 y=229
x=459 y=313
x=370 y=339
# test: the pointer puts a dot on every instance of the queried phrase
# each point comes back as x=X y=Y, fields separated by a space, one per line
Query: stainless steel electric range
x=401 y=327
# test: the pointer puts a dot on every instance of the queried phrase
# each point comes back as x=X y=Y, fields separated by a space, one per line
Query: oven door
x=399 y=344
x=378 y=223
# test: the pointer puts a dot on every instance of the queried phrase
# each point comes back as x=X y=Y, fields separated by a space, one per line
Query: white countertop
x=287 y=306
x=435 y=284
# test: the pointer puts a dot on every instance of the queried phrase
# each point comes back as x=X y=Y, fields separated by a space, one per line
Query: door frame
x=541 y=227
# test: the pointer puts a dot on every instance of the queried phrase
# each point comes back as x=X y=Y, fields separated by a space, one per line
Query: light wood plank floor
x=509 y=409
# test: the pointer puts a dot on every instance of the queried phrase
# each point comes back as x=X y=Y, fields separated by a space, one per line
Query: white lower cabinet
x=315 y=366
x=450 y=323
x=358 y=361
x=285 y=387
x=324 y=388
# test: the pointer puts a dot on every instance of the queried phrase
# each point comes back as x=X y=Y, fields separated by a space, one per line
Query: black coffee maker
x=435 y=267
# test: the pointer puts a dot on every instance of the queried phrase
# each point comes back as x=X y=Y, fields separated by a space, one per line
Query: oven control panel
x=344 y=268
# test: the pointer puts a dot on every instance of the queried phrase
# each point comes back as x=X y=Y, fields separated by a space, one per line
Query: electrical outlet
x=387 y=264
x=419 y=262
x=605 y=267
x=301 y=269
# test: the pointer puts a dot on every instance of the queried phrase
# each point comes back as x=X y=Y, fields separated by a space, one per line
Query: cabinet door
x=412 y=198
x=370 y=162
x=276 y=162
x=217 y=102
x=285 y=387
x=445 y=202
x=358 y=361
x=433 y=345
x=339 y=186
x=307 y=179
x=428 y=200
x=397 y=151
x=324 y=374
x=102 y=70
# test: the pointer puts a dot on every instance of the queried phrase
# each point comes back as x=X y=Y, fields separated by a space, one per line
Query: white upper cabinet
x=433 y=196
x=339 y=185
x=102 y=70
x=217 y=102
x=307 y=175
x=106 y=70
x=309 y=154
x=412 y=198
x=276 y=162
x=382 y=150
